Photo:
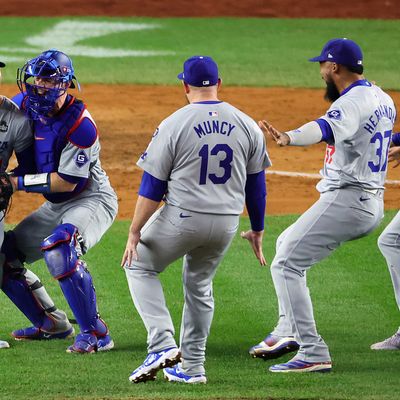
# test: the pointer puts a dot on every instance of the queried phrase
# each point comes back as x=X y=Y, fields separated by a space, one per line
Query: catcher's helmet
x=53 y=65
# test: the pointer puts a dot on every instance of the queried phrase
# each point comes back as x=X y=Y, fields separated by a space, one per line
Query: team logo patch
x=213 y=113
x=81 y=159
x=335 y=114
x=3 y=126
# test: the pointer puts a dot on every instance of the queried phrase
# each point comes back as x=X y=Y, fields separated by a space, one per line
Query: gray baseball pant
x=338 y=216
x=92 y=216
x=202 y=240
x=389 y=245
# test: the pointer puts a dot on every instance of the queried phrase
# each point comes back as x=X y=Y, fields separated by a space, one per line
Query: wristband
x=38 y=183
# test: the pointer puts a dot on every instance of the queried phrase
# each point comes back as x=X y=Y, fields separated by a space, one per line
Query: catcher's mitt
x=6 y=191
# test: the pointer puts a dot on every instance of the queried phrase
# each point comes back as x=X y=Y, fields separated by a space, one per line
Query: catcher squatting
x=205 y=161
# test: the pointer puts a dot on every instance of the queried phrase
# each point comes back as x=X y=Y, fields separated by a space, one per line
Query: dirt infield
x=126 y=128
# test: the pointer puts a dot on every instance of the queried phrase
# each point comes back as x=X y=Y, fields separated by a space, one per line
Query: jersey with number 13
x=362 y=121
x=205 y=151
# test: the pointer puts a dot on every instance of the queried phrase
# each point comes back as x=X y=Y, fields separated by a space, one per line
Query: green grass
x=251 y=51
x=354 y=307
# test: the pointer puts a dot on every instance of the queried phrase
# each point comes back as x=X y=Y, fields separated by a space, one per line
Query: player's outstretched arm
x=145 y=208
x=255 y=239
x=280 y=138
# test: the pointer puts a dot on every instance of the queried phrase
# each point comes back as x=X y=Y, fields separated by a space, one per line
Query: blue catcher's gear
x=53 y=66
x=23 y=288
x=62 y=250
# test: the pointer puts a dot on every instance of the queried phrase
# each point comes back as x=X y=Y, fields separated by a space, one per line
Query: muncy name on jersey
x=208 y=127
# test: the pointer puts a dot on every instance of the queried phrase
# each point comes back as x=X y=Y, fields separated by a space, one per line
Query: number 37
x=383 y=142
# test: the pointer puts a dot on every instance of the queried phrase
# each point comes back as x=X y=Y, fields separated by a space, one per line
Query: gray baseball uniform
x=388 y=243
x=92 y=211
x=204 y=150
x=350 y=206
x=16 y=136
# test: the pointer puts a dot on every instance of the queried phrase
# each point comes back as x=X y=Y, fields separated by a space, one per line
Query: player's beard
x=332 y=93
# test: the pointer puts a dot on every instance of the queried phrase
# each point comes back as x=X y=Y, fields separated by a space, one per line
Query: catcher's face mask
x=43 y=80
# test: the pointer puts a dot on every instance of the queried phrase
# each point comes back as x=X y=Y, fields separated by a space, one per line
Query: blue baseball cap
x=200 y=71
x=341 y=51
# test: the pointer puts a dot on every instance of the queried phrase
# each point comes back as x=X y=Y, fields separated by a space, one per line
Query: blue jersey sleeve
x=256 y=192
x=327 y=133
x=152 y=188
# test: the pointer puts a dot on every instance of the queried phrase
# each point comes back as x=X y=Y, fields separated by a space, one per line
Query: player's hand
x=280 y=138
x=255 y=239
x=130 y=253
x=394 y=155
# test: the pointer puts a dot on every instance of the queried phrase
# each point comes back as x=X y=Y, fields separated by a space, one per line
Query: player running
x=206 y=158
x=81 y=204
x=357 y=129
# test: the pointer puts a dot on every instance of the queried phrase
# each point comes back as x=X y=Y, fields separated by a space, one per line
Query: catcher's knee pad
x=62 y=250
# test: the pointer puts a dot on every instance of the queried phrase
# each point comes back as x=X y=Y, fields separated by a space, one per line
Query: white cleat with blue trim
x=175 y=374
x=153 y=363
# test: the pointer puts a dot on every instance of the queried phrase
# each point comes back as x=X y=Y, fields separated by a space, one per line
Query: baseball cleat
x=302 y=366
x=85 y=343
x=175 y=374
x=34 y=333
x=153 y=363
x=105 y=343
x=274 y=347
x=391 y=343
x=4 y=344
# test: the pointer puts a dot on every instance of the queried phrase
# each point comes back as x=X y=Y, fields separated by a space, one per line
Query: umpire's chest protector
x=51 y=136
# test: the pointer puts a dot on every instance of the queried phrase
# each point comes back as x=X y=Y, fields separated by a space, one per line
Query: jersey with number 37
x=205 y=151
x=362 y=121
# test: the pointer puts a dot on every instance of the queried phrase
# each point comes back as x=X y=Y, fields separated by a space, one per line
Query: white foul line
x=315 y=176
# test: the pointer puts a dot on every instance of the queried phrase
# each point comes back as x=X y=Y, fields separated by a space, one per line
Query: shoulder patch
x=335 y=114
x=81 y=159
x=85 y=133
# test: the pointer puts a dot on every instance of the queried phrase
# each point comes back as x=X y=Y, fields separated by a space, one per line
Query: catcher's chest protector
x=52 y=136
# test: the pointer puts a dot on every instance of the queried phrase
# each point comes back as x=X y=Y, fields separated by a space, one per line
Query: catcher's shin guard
x=61 y=252
x=26 y=291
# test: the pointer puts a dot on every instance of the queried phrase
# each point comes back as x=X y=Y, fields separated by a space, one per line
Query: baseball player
x=21 y=285
x=357 y=128
x=81 y=204
x=388 y=243
x=205 y=158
